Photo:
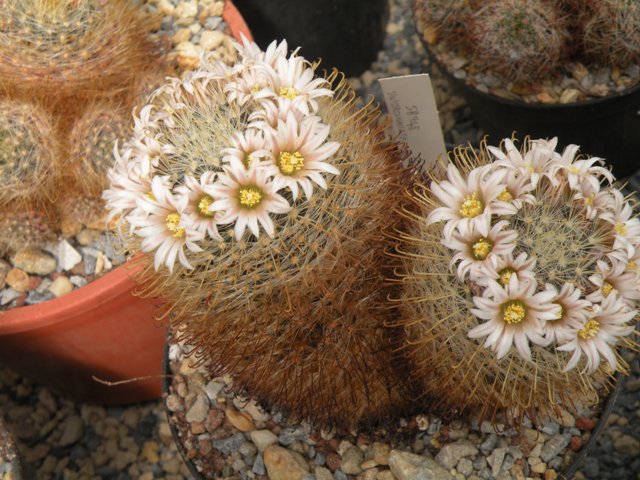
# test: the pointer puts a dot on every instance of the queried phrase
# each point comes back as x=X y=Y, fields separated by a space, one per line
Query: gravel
x=60 y=439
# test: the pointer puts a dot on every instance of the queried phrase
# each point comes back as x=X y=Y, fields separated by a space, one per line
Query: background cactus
x=445 y=20
x=91 y=144
x=21 y=229
x=559 y=232
x=28 y=151
x=520 y=40
x=526 y=41
x=54 y=49
x=292 y=306
x=612 y=34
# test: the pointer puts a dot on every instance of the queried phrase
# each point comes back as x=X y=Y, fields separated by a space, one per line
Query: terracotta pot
x=101 y=330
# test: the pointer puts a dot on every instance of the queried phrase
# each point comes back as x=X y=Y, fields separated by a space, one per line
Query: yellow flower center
x=574 y=170
x=505 y=196
x=173 y=225
x=481 y=249
x=250 y=196
x=151 y=196
x=248 y=160
x=288 y=92
x=203 y=206
x=607 y=288
x=513 y=312
x=632 y=265
x=505 y=275
x=590 y=330
x=620 y=228
x=290 y=162
x=256 y=88
x=589 y=200
x=471 y=206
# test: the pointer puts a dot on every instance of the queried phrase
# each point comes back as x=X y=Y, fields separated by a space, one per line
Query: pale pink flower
x=596 y=335
x=251 y=53
x=467 y=201
x=537 y=162
x=595 y=201
x=148 y=151
x=582 y=171
x=612 y=279
x=505 y=266
x=515 y=314
x=246 y=197
x=517 y=191
x=574 y=310
x=252 y=83
x=127 y=185
x=294 y=79
x=479 y=246
x=248 y=147
x=197 y=204
x=164 y=228
x=300 y=151
x=626 y=227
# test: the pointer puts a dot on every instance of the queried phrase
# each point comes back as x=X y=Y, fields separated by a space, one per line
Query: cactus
x=612 y=34
x=54 y=49
x=27 y=155
x=260 y=192
x=521 y=40
x=444 y=20
x=519 y=282
x=21 y=229
x=91 y=144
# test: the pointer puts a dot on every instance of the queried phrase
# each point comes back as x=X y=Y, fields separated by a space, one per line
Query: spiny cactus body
x=27 y=155
x=91 y=142
x=446 y=20
x=520 y=281
x=519 y=40
x=21 y=229
x=59 y=48
x=261 y=191
x=613 y=32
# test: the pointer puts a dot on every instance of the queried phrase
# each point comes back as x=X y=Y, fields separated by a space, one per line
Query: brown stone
x=240 y=420
x=283 y=464
x=576 y=443
x=18 y=280
x=584 y=423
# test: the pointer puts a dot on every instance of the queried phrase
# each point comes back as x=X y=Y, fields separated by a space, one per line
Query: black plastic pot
x=346 y=34
x=567 y=474
x=607 y=127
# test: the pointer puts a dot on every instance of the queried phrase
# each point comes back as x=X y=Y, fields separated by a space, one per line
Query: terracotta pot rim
x=110 y=285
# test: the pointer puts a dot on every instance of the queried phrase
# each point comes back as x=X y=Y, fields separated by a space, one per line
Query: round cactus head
x=612 y=34
x=260 y=190
x=522 y=40
x=27 y=154
x=59 y=48
x=92 y=140
x=520 y=280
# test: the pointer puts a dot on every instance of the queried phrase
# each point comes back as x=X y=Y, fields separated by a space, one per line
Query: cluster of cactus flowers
x=256 y=190
x=521 y=279
x=261 y=196
x=525 y=41
x=68 y=69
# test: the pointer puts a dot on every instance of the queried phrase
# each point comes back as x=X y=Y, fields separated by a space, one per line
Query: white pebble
x=68 y=257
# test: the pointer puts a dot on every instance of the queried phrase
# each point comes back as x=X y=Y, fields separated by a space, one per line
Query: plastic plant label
x=412 y=106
